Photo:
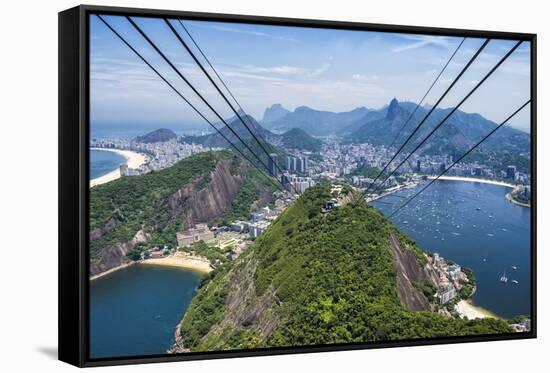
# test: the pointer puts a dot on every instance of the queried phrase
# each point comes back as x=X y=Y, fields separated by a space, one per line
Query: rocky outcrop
x=100 y=232
x=113 y=256
x=408 y=274
x=210 y=202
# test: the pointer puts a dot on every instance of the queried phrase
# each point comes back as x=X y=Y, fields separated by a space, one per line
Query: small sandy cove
x=468 y=310
x=182 y=260
x=133 y=160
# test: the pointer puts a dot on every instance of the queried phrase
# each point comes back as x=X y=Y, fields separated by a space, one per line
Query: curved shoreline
x=109 y=271
x=509 y=196
x=467 y=309
x=133 y=160
x=475 y=180
x=193 y=262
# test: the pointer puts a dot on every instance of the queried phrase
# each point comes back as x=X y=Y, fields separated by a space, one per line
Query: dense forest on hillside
x=121 y=208
x=315 y=278
x=300 y=139
x=133 y=202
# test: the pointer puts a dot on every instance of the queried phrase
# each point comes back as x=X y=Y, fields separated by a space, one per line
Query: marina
x=482 y=231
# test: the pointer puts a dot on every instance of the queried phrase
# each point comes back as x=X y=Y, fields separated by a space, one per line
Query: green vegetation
x=467 y=290
x=517 y=319
x=212 y=253
x=255 y=188
x=320 y=279
x=367 y=171
x=299 y=139
x=123 y=207
x=427 y=288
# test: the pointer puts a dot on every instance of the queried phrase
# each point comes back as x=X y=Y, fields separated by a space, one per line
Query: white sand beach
x=468 y=310
x=474 y=180
x=182 y=260
x=486 y=181
x=133 y=160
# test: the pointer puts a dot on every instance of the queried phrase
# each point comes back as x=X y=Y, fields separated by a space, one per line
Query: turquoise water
x=474 y=225
x=102 y=162
x=135 y=310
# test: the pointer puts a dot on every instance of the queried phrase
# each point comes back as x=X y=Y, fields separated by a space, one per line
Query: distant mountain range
x=273 y=113
x=295 y=138
x=215 y=140
x=314 y=122
x=297 y=130
x=380 y=127
x=457 y=134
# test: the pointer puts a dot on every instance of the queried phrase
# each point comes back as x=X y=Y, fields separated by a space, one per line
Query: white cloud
x=253 y=33
x=283 y=70
x=319 y=71
x=420 y=41
x=366 y=77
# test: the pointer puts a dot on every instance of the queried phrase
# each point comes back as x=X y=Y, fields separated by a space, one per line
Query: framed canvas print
x=238 y=186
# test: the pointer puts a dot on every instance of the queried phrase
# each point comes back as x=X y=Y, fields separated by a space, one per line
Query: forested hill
x=215 y=140
x=134 y=212
x=315 y=278
x=300 y=139
x=159 y=135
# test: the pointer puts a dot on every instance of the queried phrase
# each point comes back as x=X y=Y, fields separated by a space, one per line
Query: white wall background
x=28 y=184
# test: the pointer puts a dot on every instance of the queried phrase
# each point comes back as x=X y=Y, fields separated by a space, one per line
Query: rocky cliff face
x=408 y=273
x=113 y=256
x=210 y=202
x=205 y=199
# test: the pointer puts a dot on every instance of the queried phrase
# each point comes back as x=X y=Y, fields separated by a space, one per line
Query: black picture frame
x=74 y=180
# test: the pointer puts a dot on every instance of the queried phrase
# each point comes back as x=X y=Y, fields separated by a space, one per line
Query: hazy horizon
x=329 y=70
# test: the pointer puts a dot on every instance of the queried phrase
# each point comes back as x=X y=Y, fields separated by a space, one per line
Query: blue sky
x=324 y=69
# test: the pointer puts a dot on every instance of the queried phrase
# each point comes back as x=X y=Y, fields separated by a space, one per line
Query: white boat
x=503 y=278
x=514 y=268
x=515 y=281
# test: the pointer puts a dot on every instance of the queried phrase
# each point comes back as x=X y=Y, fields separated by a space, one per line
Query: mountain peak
x=274 y=112
x=393 y=109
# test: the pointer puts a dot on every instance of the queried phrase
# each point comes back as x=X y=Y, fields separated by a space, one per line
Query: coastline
x=133 y=160
x=181 y=260
x=466 y=309
x=392 y=191
x=475 y=180
x=510 y=197
x=109 y=271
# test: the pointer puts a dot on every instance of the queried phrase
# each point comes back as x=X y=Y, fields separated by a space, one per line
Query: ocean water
x=474 y=225
x=102 y=162
x=135 y=310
